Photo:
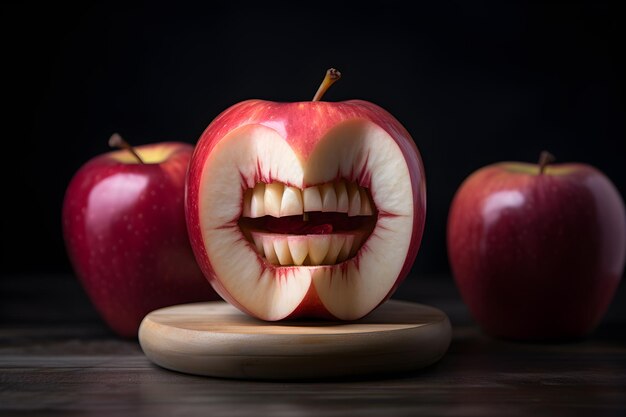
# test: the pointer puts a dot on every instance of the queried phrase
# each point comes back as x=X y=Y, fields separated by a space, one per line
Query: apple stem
x=545 y=158
x=116 y=141
x=331 y=76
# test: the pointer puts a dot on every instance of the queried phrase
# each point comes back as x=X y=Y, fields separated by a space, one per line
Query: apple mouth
x=317 y=225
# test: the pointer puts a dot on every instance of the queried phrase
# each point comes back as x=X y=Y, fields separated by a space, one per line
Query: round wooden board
x=216 y=339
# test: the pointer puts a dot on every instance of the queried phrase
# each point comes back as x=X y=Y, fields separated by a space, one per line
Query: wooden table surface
x=57 y=358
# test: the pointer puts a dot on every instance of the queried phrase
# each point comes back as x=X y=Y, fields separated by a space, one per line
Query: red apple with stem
x=306 y=209
x=537 y=251
x=126 y=236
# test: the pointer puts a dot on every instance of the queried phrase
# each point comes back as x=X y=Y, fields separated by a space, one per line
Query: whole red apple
x=537 y=251
x=311 y=209
x=126 y=237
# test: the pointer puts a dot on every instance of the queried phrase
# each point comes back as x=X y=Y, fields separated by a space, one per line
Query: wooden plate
x=216 y=339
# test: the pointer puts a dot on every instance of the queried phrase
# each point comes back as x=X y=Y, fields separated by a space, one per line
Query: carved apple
x=306 y=209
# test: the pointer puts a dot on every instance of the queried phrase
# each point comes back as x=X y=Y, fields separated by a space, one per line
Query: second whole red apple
x=126 y=237
x=537 y=250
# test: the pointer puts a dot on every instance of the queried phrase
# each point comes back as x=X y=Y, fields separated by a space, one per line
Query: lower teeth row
x=329 y=249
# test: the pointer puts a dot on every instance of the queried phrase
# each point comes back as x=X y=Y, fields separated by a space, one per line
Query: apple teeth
x=312 y=199
x=279 y=200
x=329 y=198
x=291 y=204
x=258 y=243
x=354 y=200
x=346 y=249
x=299 y=248
x=318 y=248
x=272 y=199
x=366 y=207
x=343 y=202
x=309 y=250
x=336 y=243
x=257 y=203
x=269 y=251
x=282 y=251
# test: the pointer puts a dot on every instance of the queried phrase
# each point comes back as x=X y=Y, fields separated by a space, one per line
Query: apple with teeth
x=537 y=250
x=125 y=233
x=306 y=209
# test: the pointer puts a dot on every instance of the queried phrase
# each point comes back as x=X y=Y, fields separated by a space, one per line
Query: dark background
x=473 y=82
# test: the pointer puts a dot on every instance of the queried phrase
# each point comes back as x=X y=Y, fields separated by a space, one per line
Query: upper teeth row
x=278 y=200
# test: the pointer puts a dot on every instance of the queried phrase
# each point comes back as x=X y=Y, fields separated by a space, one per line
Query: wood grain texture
x=57 y=358
x=216 y=339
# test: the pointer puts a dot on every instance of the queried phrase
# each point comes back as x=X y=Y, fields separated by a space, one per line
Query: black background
x=473 y=82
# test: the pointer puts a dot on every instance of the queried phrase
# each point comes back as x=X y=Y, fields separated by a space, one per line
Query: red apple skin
x=126 y=237
x=302 y=125
x=537 y=256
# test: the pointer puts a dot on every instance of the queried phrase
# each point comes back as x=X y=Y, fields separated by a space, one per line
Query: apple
x=126 y=236
x=306 y=209
x=537 y=250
